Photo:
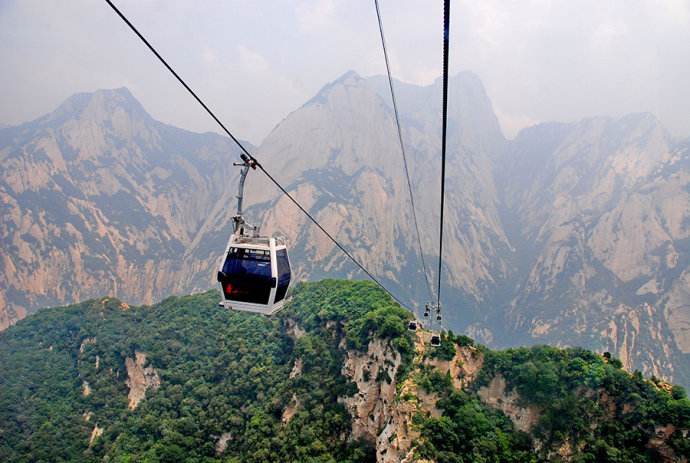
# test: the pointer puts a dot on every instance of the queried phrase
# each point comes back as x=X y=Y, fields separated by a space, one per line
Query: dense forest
x=218 y=386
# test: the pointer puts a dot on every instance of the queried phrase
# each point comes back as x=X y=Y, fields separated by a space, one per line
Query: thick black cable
x=402 y=150
x=241 y=146
x=444 y=125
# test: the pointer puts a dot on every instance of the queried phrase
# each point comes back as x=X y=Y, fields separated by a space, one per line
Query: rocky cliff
x=99 y=198
x=573 y=234
x=603 y=209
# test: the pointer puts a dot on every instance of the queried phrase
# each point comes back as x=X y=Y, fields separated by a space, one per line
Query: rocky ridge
x=100 y=188
x=571 y=234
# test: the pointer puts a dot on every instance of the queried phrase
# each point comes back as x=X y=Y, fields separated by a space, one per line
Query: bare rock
x=222 y=443
x=86 y=342
x=373 y=405
x=463 y=368
x=495 y=396
x=296 y=369
x=293 y=407
x=95 y=434
x=293 y=329
x=85 y=389
x=140 y=379
x=659 y=443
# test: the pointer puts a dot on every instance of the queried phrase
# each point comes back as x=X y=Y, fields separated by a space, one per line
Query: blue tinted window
x=283 y=274
x=248 y=261
x=248 y=275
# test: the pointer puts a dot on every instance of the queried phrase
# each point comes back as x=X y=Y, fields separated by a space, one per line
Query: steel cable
x=402 y=149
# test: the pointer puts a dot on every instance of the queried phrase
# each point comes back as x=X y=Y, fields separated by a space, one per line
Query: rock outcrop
x=384 y=407
x=222 y=443
x=463 y=368
x=140 y=379
x=496 y=396
x=290 y=411
x=95 y=434
x=384 y=413
x=374 y=373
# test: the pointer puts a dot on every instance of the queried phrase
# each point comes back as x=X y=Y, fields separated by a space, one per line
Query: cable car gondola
x=435 y=337
x=248 y=257
x=255 y=273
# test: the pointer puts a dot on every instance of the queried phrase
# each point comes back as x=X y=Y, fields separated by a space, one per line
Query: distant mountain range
x=571 y=234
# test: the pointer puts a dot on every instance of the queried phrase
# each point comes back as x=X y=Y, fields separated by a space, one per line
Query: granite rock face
x=98 y=198
x=571 y=234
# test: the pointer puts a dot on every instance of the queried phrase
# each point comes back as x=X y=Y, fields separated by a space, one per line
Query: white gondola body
x=258 y=290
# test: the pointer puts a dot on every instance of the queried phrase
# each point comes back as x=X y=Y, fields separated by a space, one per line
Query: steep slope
x=339 y=154
x=97 y=197
x=601 y=208
x=336 y=377
x=572 y=234
x=152 y=205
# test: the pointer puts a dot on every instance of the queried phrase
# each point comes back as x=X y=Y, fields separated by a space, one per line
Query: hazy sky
x=255 y=61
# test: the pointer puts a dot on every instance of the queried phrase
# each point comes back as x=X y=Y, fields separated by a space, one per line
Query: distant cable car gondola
x=435 y=338
x=255 y=273
x=412 y=325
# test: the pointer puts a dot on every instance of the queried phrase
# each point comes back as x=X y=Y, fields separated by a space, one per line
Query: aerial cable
x=402 y=150
x=444 y=125
x=252 y=158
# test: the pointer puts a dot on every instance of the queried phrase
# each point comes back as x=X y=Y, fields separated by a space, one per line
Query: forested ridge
x=231 y=387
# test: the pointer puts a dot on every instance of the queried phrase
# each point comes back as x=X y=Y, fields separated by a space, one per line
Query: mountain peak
x=349 y=78
x=99 y=105
x=641 y=120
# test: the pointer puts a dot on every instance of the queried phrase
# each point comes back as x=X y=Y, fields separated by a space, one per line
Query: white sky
x=255 y=61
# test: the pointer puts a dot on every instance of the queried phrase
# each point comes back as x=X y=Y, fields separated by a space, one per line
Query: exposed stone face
x=371 y=406
x=496 y=396
x=222 y=443
x=140 y=379
x=86 y=342
x=293 y=407
x=605 y=209
x=384 y=416
x=395 y=442
x=570 y=234
x=293 y=329
x=296 y=368
x=677 y=311
x=659 y=444
x=95 y=434
x=102 y=189
x=463 y=368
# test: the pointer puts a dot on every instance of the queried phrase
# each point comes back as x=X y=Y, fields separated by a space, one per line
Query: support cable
x=402 y=150
x=241 y=146
x=444 y=122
